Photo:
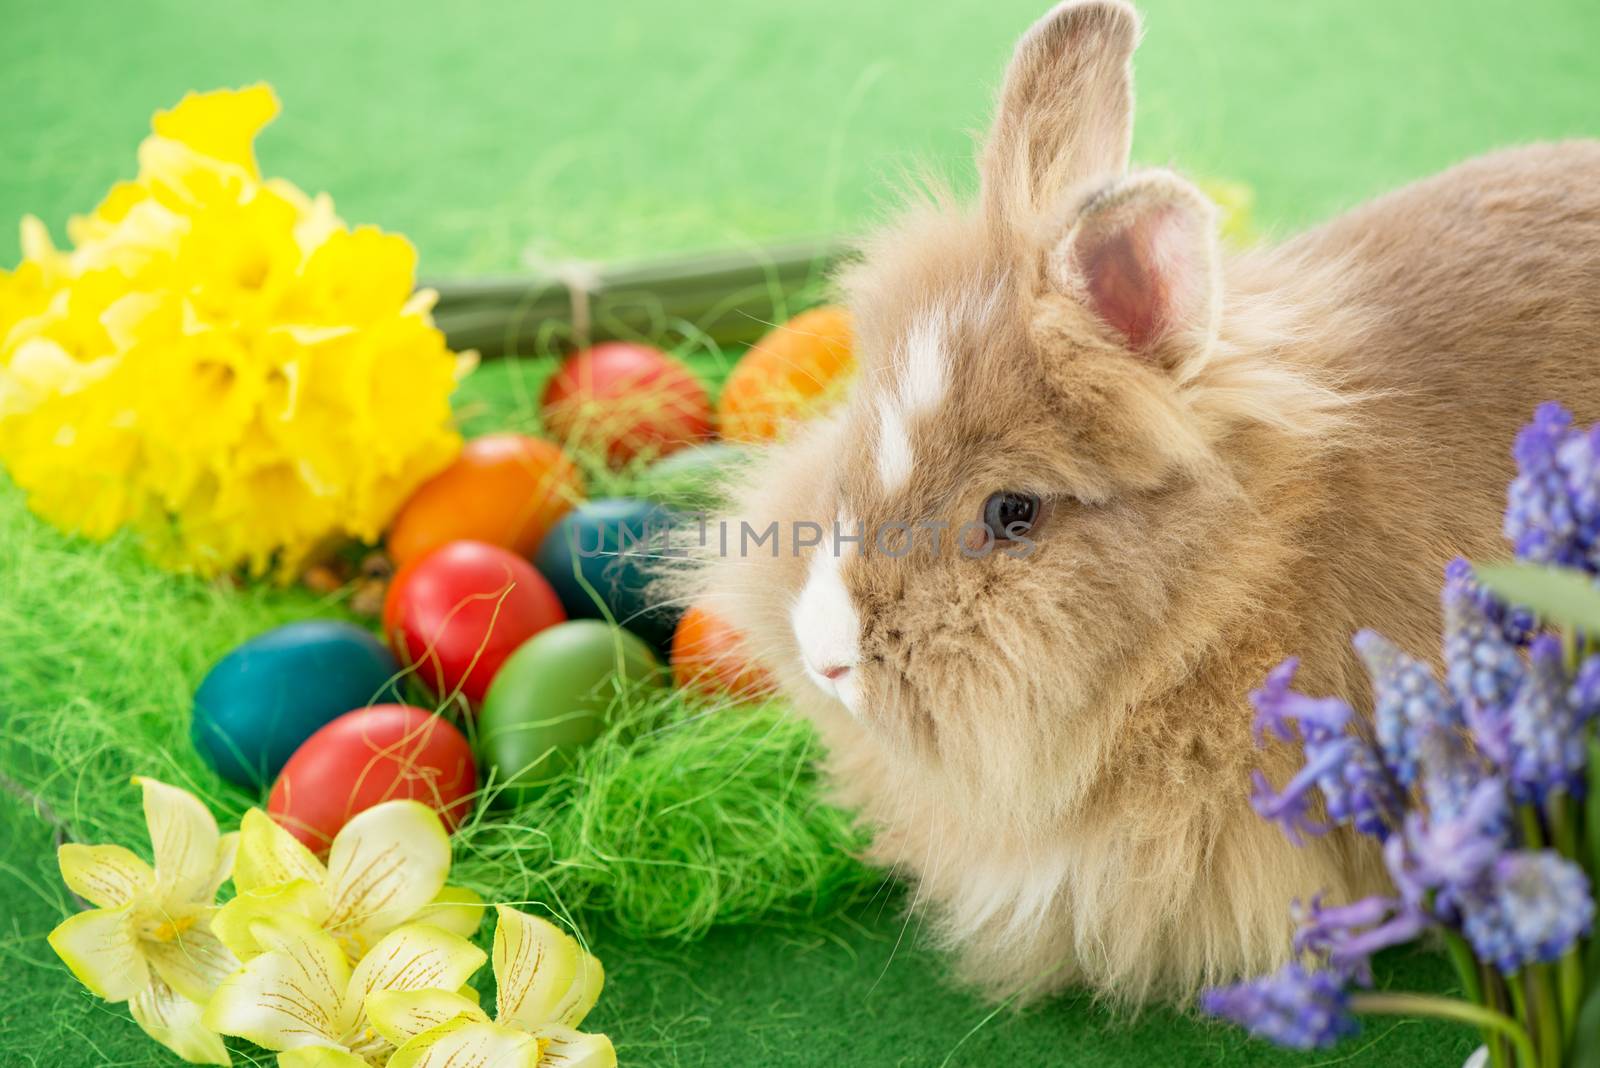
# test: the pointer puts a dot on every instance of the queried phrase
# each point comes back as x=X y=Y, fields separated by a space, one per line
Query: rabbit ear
x=1142 y=257
x=1066 y=108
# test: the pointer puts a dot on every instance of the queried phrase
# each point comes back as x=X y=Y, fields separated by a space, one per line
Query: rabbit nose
x=835 y=672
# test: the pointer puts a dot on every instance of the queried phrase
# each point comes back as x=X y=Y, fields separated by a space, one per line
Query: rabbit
x=1159 y=467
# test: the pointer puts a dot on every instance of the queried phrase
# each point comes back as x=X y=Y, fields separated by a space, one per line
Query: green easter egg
x=550 y=698
x=694 y=479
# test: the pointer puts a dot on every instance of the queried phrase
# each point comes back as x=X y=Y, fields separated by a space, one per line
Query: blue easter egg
x=614 y=546
x=258 y=703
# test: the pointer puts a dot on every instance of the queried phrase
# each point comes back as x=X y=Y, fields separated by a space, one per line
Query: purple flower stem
x=1479 y=1016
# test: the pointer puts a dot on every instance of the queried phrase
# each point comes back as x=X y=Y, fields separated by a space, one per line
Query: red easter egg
x=366 y=757
x=457 y=612
x=626 y=400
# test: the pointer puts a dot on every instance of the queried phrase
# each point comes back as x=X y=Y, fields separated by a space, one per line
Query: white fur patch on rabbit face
x=828 y=629
x=921 y=373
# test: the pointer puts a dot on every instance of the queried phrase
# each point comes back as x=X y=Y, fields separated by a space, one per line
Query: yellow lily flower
x=386 y=867
x=148 y=941
x=300 y=996
x=546 y=984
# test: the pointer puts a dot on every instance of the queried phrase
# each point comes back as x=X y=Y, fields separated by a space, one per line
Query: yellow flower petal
x=574 y=1049
x=291 y=994
x=174 y=1021
x=385 y=865
x=227 y=853
x=185 y=839
x=100 y=948
x=105 y=875
x=401 y=1015
x=193 y=960
x=270 y=855
x=36 y=242
x=233 y=921
x=456 y=909
x=222 y=124
x=320 y=1057
x=415 y=957
x=542 y=974
x=464 y=1043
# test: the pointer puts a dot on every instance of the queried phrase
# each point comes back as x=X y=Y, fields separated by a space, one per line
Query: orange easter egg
x=793 y=373
x=708 y=656
x=503 y=489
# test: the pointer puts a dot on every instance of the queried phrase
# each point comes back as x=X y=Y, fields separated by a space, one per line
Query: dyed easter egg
x=626 y=401
x=457 y=612
x=366 y=757
x=551 y=698
x=709 y=657
x=503 y=489
x=601 y=558
x=258 y=703
x=694 y=479
x=796 y=371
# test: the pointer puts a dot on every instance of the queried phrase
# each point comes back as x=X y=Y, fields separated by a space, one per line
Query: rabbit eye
x=1010 y=514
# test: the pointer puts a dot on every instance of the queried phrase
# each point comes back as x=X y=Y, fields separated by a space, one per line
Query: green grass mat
x=633 y=127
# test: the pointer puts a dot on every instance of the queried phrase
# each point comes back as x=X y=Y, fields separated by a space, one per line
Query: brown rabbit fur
x=1242 y=456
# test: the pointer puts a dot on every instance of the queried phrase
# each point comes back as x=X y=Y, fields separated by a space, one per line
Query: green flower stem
x=1469 y=971
x=1545 y=1013
x=1532 y=829
x=1451 y=1009
x=1493 y=985
x=1466 y=967
x=1563 y=827
x=1569 y=977
x=1591 y=803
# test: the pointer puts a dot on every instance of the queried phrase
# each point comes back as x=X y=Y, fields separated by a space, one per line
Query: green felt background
x=497 y=134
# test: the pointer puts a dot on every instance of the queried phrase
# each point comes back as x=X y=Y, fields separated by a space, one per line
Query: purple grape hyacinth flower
x=1546 y=749
x=1295 y=1007
x=1354 y=783
x=1585 y=693
x=1450 y=855
x=1348 y=935
x=1482 y=666
x=1579 y=457
x=1516 y=625
x=1540 y=520
x=1451 y=771
x=1406 y=700
x=1530 y=909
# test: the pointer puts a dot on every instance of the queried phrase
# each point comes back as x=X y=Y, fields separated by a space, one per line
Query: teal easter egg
x=694 y=479
x=259 y=702
x=602 y=557
x=551 y=697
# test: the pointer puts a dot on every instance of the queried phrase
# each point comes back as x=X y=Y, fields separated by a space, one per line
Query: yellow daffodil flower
x=148 y=940
x=546 y=984
x=300 y=996
x=386 y=867
x=310 y=386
